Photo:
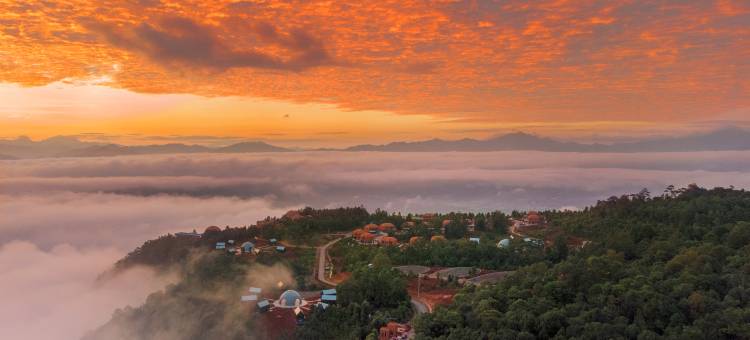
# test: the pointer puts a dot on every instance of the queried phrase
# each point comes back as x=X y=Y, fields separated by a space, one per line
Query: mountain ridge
x=726 y=139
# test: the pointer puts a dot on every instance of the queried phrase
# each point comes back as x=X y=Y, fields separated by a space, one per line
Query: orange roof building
x=212 y=229
x=386 y=227
x=392 y=330
x=370 y=226
x=293 y=215
x=414 y=239
x=533 y=218
x=388 y=241
x=367 y=238
x=358 y=232
x=437 y=238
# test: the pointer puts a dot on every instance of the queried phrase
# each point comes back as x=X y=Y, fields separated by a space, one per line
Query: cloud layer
x=186 y=191
x=65 y=221
x=54 y=294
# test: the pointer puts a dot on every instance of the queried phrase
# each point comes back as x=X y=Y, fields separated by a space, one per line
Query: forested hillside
x=675 y=266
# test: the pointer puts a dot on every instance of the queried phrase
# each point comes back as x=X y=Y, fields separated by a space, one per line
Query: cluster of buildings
x=292 y=215
x=505 y=243
x=394 y=331
x=374 y=234
x=532 y=220
x=291 y=308
x=378 y=234
x=247 y=247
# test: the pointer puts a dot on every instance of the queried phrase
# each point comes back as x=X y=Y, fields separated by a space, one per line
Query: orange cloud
x=480 y=60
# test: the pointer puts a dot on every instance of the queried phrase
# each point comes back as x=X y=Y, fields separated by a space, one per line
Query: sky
x=322 y=73
x=333 y=73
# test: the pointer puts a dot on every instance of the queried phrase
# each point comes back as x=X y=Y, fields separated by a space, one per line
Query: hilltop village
x=333 y=252
x=347 y=273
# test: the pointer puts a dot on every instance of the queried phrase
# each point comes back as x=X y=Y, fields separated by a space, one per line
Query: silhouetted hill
x=62 y=146
x=724 y=139
x=252 y=147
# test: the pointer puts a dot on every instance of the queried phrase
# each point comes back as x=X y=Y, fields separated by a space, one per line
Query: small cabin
x=280 y=249
x=474 y=239
x=263 y=306
x=329 y=299
x=184 y=234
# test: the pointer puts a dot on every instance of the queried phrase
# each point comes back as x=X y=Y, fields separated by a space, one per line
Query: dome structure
x=504 y=243
x=533 y=217
x=357 y=233
x=386 y=226
x=371 y=226
x=290 y=299
x=212 y=229
x=388 y=241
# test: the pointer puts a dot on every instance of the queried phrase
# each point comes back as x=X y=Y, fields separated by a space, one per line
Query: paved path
x=513 y=229
x=419 y=306
x=320 y=274
x=321 y=254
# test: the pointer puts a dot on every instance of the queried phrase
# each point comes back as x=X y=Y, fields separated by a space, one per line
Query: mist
x=55 y=294
x=65 y=221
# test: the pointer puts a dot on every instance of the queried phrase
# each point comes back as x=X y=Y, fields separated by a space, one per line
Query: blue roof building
x=328 y=298
x=264 y=306
x=331 y=291
x=280 y=249
x=248 y=247
x=290 y=299
x=221 y=245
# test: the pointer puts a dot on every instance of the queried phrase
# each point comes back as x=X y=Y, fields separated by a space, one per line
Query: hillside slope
x=675 y=266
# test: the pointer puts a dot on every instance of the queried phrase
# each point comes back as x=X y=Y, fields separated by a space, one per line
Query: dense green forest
x=449 y=253
x=675 y=266
x=369 y=299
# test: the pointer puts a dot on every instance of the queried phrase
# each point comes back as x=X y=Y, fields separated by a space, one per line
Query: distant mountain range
x=63 y=146
x=724 y=139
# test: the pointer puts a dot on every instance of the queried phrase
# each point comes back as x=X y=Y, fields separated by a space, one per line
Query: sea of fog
x=64 y=221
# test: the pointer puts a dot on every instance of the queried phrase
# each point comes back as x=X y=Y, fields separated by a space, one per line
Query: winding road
x=321 y=254
x=320 y=272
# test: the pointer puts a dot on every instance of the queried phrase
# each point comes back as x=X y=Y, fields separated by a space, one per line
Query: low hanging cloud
x=124 y=200
x=121 y=221
x=65 y=221
x=55 y=294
